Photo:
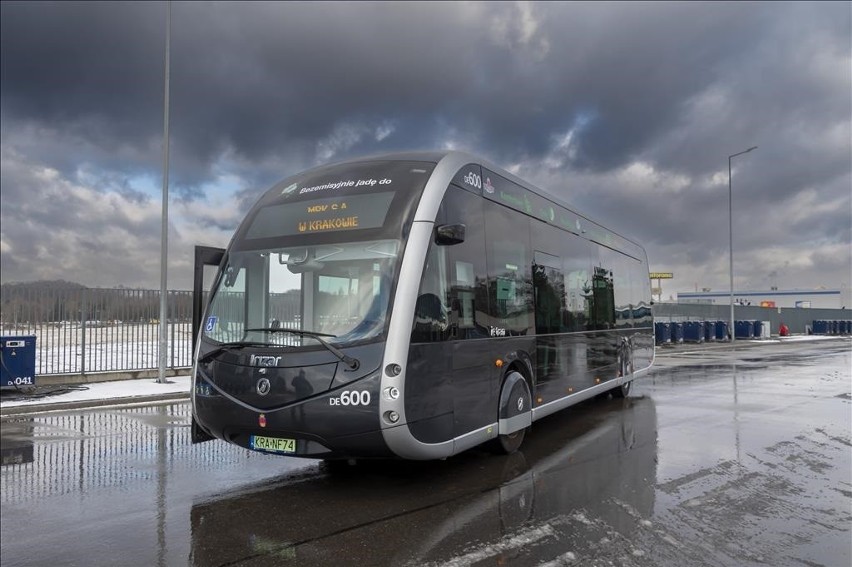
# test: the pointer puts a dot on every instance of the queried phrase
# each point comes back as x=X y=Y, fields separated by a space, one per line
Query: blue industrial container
x=663 y=333
x=722 y=331
x=693 y=332
x=709 y=331
x=677 y=332
x=744 y=329
x=835 y=327
x=757 y=329
x=821 y=327
x=18 y=368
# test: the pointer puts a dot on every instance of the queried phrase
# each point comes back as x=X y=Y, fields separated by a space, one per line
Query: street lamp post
x=731 y=234
x=164 y=233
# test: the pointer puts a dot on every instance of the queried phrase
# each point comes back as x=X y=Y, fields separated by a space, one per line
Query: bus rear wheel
x=621 y=391
x=625 y=366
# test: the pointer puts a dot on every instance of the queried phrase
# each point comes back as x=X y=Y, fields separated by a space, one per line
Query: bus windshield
x=340 y=291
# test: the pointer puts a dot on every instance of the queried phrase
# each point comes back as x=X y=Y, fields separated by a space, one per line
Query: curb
x=85 y=404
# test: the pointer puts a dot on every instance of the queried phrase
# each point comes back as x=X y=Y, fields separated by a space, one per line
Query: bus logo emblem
x=256 y=360
x=263 y=386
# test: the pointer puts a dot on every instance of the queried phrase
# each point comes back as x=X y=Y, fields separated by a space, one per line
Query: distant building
x=803 y=298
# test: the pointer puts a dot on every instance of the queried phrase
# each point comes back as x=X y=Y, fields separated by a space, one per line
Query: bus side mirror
x=449 y=234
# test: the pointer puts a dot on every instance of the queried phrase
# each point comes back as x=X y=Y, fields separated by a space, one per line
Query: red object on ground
x=784 y=331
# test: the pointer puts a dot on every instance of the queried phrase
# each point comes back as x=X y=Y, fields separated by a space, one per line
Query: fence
x=81 y=330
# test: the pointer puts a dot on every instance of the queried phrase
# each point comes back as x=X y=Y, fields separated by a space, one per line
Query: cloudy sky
x=628 y=111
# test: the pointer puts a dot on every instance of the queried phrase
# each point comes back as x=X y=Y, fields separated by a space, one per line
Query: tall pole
x=731 y=235
x=731 y=241
x=164 y=235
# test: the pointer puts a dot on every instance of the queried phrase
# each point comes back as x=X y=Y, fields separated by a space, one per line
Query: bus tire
x=515 y=403
x=621 y=391
x=507 y=444
x=625 y=368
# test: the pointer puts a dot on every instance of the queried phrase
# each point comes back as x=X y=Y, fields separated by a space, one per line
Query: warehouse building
x=801 y=298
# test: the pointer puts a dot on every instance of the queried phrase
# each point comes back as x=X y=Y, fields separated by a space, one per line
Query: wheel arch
x=521 y=362
x=514 y=408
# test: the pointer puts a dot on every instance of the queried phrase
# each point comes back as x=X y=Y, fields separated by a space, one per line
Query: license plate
x=272 y=444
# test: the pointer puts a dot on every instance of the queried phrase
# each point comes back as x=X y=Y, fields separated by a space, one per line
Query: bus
x=414 y=305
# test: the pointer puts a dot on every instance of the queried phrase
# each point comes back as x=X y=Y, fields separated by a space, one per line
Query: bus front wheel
x=514 y=414
x=507 y=444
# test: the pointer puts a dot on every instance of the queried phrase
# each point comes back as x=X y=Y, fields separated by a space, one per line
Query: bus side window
x=468 y=277
x=431 y=313
x=509 y=271
x=613 y=296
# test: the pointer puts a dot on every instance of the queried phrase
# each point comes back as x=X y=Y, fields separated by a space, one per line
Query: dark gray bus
x=414 y=305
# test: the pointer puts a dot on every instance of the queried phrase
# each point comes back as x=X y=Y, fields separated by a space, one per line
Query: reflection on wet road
x=718 y=458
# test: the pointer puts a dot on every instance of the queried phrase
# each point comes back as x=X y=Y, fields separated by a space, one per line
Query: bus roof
x=459 y=159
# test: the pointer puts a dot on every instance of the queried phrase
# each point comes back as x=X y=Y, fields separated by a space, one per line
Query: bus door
x=205 y=257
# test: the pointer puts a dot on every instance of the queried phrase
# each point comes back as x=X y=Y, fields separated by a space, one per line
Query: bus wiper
x=352 y=363
x=229 y=346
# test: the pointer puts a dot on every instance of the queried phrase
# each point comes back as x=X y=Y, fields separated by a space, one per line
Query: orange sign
x=340 y=223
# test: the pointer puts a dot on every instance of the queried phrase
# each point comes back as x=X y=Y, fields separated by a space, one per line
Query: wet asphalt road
x=717 y=458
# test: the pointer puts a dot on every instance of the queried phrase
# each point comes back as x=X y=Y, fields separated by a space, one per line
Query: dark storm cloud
x=628 y=110
x=91 y=73
x=267 y=78
x=272 y=77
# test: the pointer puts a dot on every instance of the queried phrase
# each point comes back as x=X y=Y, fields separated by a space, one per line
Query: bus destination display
x=352 y=212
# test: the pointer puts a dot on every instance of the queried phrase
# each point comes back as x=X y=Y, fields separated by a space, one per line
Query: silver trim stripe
x=398 y=436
